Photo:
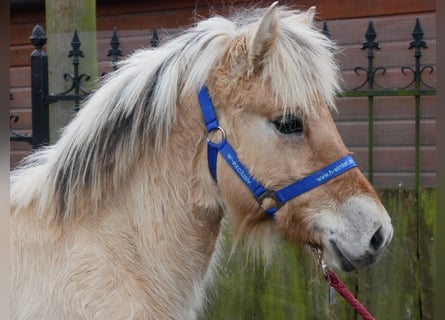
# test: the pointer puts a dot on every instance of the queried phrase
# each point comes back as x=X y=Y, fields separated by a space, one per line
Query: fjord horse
x=120 y=218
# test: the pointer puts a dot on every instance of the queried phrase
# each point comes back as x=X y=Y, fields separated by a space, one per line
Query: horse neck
x=172 y=202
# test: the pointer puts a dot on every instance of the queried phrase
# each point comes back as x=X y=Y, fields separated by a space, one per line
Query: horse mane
x=135 y=108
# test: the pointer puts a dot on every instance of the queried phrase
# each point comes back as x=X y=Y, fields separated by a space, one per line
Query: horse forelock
x=298 y=67
x=136 y=107
x=301 y=65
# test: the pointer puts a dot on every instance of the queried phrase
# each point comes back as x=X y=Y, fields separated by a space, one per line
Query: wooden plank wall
x=394 y=124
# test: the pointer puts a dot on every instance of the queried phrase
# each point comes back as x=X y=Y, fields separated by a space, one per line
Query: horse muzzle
x=357 y=235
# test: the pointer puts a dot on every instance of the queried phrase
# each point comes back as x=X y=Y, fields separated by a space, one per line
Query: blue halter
x=260 y=193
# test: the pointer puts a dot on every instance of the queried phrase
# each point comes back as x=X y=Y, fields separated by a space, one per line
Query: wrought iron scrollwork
x=79 y=92
x=417 y=43
x=370 y=45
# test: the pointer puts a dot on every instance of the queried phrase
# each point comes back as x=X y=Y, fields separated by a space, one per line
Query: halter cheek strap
x=260 y=193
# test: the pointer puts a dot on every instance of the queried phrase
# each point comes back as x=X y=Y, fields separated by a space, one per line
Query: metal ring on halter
x=269 y=194
x=221 y=141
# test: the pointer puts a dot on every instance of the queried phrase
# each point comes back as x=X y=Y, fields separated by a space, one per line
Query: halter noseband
x=260 y=193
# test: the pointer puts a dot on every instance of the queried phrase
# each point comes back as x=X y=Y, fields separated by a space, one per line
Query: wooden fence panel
x=399 y=286
x=391 y=289
x=427 y=253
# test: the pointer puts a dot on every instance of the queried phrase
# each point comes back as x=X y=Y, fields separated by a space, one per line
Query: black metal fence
x=40 y=97
x=370 y=88
x=416 y=87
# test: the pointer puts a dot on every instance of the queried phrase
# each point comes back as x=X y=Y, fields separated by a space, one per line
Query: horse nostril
x=377 y=239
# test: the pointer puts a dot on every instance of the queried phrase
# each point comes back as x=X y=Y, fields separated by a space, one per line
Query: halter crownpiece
x=259 y=192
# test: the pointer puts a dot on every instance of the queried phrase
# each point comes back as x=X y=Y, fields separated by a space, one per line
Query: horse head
x=273 y=93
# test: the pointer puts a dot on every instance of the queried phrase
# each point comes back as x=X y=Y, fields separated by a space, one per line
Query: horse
x=229 y=121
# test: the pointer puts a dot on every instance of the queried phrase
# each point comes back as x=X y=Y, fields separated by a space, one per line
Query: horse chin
x=338 y=260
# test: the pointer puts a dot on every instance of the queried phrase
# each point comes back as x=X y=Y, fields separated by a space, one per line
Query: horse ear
x=309 y=15
x=262 y=37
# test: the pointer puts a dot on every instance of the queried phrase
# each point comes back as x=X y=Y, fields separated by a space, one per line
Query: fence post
x=39 y=89
x=370 y=44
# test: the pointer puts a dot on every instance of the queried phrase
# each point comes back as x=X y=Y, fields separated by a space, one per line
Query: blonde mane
x=136 y=107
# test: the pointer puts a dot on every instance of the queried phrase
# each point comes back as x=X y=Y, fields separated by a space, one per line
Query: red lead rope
x=339 y=286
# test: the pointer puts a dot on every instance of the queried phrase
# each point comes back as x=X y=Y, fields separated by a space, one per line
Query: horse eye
x=289 y=125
